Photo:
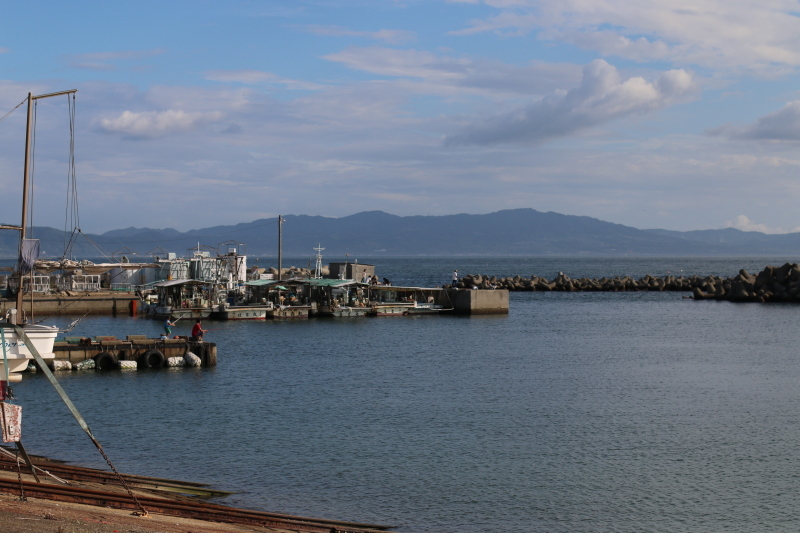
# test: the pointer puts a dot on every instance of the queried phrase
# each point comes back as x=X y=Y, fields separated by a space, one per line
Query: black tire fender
x=105 y=361
x=151 y=359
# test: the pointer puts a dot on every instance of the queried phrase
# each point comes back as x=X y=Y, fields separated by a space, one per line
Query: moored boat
x=17 y=350
x=343 y=311
x=427 y=308
x=182 y=298
x=392 y=308
x=240 y=312
x=289 y=311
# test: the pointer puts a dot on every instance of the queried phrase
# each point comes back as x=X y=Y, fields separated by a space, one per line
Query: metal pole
x=25 y=185
x=280 y=248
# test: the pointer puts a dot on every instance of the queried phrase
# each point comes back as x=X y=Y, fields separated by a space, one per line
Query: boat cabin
x=183 y=298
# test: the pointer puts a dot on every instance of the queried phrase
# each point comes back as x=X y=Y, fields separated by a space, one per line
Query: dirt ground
x=45 y=516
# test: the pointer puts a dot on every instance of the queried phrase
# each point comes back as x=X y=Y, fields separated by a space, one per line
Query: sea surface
x=577 y=412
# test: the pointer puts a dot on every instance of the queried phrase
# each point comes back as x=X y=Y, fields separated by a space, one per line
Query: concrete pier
x=474 y=302
x=98 y=303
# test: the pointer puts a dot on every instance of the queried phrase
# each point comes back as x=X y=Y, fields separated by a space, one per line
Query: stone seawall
x=773 y=284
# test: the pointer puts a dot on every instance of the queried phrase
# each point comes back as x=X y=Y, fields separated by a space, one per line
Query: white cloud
x=440 y=74
x=387 y=36
x=601 y=97
x=247 y=76
x=734 y=34
x=259 y=77
x=105 y=61
x=782 y=125
x=151 y=124
x=743 y=223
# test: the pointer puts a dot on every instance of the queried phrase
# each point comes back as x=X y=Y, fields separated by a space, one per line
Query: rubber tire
x=200 y=351
x=105 y=361
x=152 y=359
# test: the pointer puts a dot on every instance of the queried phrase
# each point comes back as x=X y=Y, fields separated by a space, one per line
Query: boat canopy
x=173 y=282
x=311 y=281
x=394 y=288
x=332 y=282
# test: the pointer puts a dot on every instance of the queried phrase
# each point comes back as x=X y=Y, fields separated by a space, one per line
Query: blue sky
x=653 y=114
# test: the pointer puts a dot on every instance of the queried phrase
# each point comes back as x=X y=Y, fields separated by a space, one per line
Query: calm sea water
x=576 y=412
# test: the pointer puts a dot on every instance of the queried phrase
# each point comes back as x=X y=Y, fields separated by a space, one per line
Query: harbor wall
x=773 y=284
x=109 y=303
x=475 y=302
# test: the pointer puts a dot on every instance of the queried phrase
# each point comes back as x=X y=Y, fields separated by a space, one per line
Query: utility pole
x=280 y=247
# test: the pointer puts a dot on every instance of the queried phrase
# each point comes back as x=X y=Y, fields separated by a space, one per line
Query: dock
x=133 y=352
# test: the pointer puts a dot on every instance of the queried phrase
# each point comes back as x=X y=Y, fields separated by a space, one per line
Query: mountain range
x=371 y=233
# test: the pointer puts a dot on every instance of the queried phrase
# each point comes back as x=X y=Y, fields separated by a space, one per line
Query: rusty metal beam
x=196 y=510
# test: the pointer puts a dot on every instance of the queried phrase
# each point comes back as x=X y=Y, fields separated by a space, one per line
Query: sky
x=670 y=114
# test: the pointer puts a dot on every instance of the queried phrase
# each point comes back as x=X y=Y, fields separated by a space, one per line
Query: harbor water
x=576 y=412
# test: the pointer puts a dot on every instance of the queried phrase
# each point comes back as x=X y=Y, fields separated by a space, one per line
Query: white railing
x=85 y=282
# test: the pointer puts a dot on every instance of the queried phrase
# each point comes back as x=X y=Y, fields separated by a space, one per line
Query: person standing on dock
x=197 y=331
x=168 y=325
x=455 y=279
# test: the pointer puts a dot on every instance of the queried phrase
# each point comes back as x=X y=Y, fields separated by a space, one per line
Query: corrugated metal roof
x=262 y=282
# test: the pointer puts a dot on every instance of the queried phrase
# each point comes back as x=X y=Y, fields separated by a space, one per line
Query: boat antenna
x=318 y=266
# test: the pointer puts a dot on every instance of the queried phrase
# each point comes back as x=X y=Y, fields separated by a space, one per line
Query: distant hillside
x=509 y=232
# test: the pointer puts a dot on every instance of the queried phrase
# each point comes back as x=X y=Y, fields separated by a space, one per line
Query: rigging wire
x=9 y=113
x=72 y=215
x=103 y=253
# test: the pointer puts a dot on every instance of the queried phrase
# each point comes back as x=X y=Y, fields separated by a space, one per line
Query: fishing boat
x=338 y=297
x=182 y=298
x=289 y=311
x=427 y=308
x=226 y=311
x=343 y=311
x=17 y=349
x=281 y=298
x=388 y=300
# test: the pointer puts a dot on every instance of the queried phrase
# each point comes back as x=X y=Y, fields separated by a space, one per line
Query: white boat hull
x=245 y=313
x=344 y=311
x=165 y=311
x=18 y=352
x=398 y=309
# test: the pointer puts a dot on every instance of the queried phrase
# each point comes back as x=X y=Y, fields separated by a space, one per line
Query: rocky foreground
x=773 y=284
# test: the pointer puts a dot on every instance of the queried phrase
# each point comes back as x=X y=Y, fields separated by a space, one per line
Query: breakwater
x=772 y=284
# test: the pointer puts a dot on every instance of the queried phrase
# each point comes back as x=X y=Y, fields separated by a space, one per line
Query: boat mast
x=26 y=185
